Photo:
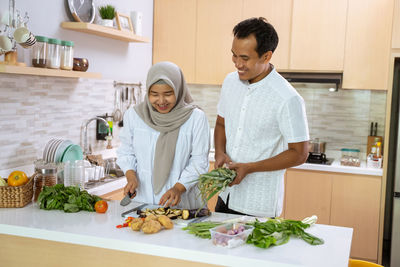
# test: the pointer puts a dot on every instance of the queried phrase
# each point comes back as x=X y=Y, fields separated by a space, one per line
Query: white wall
x=115 y=59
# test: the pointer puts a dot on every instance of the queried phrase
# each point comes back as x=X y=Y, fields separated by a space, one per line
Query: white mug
x=24 y=37
x=136 y=18
x=5 y=43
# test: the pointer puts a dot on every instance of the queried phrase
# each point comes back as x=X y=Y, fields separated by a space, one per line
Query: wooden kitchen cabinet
x=307 y=193
x=318 y=35
x=338 y=199
x=356 y=204
x=396 y=25
x=368 y=41
x=175 y=34
x=278 y=13
x=215 y=22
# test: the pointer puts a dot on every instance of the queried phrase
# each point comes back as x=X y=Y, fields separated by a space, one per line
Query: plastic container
x=39 y=52
x=67 y=55
x=230 y=235
x=53 y=53
x=350 y=157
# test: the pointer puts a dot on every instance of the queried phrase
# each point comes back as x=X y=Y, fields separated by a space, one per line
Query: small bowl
x=230 y=235
x=80 y=64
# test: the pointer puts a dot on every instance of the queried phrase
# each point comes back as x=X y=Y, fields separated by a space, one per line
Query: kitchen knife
x=376 y=129
x=127 y=199
x=199 y=219
x=134 y=209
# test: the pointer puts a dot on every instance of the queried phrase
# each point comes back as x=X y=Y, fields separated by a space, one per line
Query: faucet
x=85 y=142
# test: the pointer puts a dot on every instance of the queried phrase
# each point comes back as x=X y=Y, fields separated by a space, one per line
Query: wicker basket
x=16 y=196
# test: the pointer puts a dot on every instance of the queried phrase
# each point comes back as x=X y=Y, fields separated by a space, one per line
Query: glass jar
x=45 y=175
x=67 y=55
x=53 y=53
x=39 y=50
x=350 y=157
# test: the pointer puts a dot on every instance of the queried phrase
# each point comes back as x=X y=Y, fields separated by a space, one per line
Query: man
x=261 y=127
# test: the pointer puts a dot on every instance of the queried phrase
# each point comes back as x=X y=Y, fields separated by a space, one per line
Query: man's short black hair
x=264 y=32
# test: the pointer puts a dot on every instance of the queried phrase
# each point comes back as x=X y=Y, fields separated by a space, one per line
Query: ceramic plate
x=46 y=148
x=54 y=149
x=82 y=10
x=73 y=152
x=49 y=148
x=60 y=150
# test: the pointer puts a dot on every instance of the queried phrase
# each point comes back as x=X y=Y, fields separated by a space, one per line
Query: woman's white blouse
x=138 y=142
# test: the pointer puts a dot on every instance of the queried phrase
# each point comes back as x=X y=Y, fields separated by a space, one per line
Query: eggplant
x=190 y=214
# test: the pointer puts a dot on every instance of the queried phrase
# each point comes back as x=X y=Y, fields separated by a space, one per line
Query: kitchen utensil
x=199 y=219
x=127 y=199
x=134 y=209
x=24 y=37
x=376 y=129
x=117 y=114
x=371 y=130
x=315 y=146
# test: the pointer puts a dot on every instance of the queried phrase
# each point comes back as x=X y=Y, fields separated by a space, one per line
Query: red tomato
x=101 y=206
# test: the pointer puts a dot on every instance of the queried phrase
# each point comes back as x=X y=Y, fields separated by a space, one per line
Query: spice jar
x=46 y=175
x=53 y=53
x=67 y=55
x=39 y=51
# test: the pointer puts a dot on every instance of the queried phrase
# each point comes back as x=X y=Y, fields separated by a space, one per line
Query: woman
x=164 y=142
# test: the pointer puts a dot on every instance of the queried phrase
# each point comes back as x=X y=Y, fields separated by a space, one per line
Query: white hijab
x=167 y=124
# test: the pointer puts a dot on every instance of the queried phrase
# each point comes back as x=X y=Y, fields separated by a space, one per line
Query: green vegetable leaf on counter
x=69 y=199
x=278 y=231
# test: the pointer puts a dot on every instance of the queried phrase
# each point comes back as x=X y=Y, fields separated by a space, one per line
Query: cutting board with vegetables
x=178 y=216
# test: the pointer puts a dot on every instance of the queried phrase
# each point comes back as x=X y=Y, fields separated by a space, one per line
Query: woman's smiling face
x=162 y=97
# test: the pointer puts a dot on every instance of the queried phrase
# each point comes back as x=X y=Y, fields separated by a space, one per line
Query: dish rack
x=16 y=196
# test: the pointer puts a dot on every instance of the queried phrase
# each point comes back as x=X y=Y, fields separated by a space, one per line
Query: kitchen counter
x=336 y=167
x=93 y=230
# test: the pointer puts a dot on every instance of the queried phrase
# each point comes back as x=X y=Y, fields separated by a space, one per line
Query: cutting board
x=180 y=222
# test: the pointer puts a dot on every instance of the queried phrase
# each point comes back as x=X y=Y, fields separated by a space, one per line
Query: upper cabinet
x=279 y=14
x=368 y=41
x=215 y=21
x=318 y=35
x=353 y=37
x=174 y=36
x=396 y=25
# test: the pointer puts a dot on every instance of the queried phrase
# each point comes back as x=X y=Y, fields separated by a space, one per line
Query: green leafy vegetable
x=213 y=182
x=69 y=199
x=201 y=229
x=277 y=232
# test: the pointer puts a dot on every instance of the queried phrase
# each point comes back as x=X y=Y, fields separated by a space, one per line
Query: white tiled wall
x=341 y=119
x=35 y=109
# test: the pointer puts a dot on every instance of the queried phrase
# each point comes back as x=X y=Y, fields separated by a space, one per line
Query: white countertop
x=108 y=187
x=336 y=167
x=98 y=230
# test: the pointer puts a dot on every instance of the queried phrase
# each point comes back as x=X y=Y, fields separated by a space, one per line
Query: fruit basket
x=16 y=196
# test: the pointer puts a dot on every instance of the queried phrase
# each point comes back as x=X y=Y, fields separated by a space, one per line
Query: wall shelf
x=104 y=31
x=47 y=72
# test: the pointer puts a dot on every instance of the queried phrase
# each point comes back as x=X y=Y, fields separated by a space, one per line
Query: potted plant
x=107 y=14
